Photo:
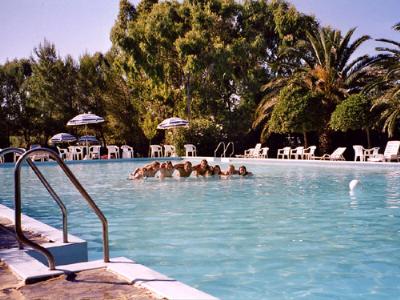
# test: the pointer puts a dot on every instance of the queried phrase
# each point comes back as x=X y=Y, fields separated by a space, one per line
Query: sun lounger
x=251 y=153
x=391 y=152
x=336 y=155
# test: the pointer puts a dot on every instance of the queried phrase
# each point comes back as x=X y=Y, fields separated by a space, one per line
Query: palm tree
x=327 y=71
x=387 y=86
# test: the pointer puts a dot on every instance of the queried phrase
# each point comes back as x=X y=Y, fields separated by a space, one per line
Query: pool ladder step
x=22 y=239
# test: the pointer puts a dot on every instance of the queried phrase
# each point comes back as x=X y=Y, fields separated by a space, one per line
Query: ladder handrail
x=227 y=147
x=46 y=185
x=216 y=149
x=79 y=187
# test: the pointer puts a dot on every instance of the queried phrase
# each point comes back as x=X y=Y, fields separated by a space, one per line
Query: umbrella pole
x=87 y=145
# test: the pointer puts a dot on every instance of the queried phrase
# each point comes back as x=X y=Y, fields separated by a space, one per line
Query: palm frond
x=349 y=51
x=388 y=42
x=342 y=46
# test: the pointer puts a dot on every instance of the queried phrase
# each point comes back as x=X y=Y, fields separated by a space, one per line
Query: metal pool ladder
x=224 y=149
x=22 y=239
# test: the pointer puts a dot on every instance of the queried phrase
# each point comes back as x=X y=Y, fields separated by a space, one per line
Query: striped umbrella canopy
x=62 y=138
x=173 y=123
x=84 y=119
x=88 y=139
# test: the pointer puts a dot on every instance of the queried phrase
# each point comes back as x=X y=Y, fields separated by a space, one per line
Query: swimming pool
x=289 y=232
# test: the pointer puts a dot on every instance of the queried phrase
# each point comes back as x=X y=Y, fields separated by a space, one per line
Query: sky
x=77 y=27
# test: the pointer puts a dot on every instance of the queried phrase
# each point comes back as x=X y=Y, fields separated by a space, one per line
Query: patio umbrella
x=62 y=138
x=173 y=123
x=85 y=119
x=88 y=139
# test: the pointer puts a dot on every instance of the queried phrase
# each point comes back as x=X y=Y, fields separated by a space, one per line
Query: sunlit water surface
x=289 y=232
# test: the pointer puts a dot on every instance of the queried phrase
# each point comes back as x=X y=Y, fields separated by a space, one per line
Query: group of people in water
x=166 y=169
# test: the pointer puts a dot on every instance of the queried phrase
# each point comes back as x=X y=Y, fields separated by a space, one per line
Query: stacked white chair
x=169 y=150
x=155 y=151
x=76 y=152
x=284 y=153
x=264 y=152
x=63 y=153
x=113 y=151
x=127 y=151
x=309 y=153
x=358 y=152
x=297 y=153
x=94 y=152
x=190 y=149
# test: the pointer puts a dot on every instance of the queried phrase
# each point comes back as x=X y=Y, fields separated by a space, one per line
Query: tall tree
x=327 y=72
x=204 y=58
x=51 y=91
x=14 y=113
x=386 y=88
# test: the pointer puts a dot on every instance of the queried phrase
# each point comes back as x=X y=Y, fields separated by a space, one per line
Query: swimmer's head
x=242 y=170
x=204 y=163
x=188 y=165
x=217 y=170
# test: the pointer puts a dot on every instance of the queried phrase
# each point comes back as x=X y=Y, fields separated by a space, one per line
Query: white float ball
x=353 y=184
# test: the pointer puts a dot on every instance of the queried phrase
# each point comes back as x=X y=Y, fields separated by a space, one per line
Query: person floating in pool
x=185 y=169
x=166 y=170
x=230 y=171
x=149 y=170
x=243 y=171
x=217 y=171
x=202 y=168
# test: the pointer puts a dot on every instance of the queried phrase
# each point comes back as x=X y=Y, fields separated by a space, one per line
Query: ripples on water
x=287 y=233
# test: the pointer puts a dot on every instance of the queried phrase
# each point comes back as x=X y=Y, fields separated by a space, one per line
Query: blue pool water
x=290 y=232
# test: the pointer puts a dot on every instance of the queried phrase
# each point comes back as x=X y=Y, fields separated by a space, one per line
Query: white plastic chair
x=76 y=152
x=127 y=151
x=264 y=152
x=190 y=149
x=297 y=153
x=17 y=155
x=371 y=153
x=113 y=151
x=155 y=151
x=40 y=156
x=284 y=152
x=94 y=152
x=391 y=152
x=358 y=152
x=63 y=153
x=169 y=150
x=309 y=153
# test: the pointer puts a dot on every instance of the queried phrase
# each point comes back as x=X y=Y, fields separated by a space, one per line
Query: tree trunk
x=188 y=98
x=325 y=141
x=103 y=137
x=305 y=139
x=368 y=137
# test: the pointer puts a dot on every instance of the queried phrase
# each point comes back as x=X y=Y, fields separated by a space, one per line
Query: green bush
x=203 y=133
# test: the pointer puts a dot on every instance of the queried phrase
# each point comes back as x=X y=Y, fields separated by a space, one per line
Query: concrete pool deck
x=122 y=278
